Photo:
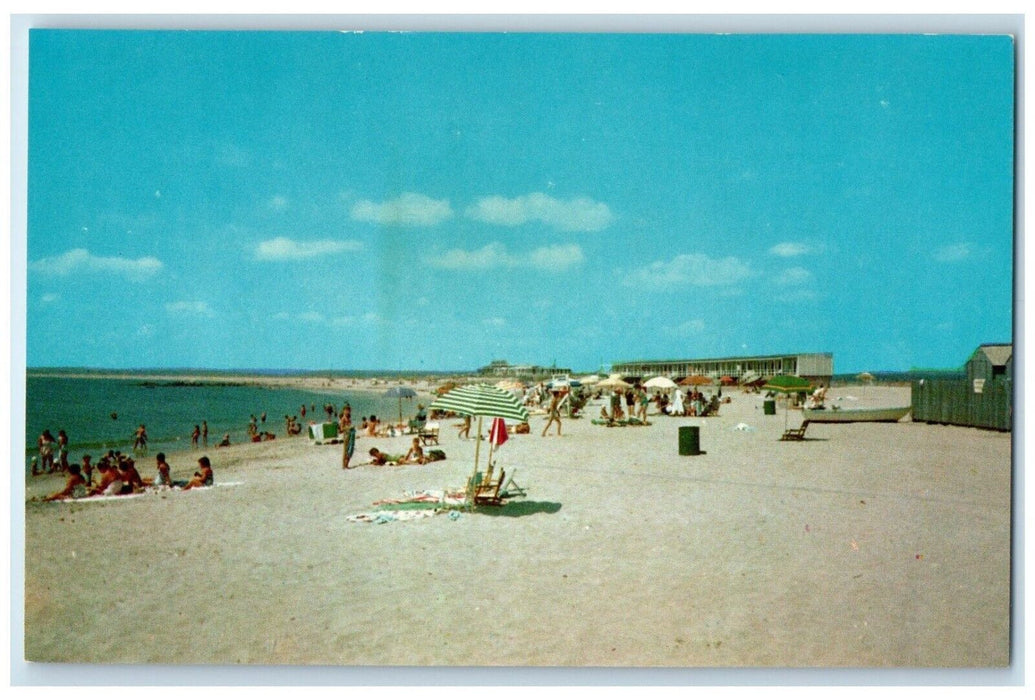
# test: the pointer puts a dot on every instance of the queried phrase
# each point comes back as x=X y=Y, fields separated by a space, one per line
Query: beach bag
x=436 y=455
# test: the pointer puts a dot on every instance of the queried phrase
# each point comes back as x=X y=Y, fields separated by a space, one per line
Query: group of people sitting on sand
x=118 y=476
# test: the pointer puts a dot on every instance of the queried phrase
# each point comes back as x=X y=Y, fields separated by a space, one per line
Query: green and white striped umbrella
x=481 y=400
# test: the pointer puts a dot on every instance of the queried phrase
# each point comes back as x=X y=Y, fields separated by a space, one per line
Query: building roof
x=998 y=354
x=725 y=359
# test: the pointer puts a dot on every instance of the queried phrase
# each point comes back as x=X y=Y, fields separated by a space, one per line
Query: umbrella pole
x=477 y=447
x=488 y=470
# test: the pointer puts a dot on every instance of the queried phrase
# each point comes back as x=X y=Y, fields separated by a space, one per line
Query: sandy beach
x=866 y=545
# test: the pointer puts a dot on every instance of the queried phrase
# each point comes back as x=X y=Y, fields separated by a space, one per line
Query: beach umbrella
x=660 y=383
x=614 y=382
x=497 y=436
x=589 y=380
x=401 y=392
x=695 y=380
x=481 y=400
x=865 y=377
x=726 y=380
x=787 y=384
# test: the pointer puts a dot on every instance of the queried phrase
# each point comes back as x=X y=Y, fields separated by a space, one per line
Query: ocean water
x=83 y=408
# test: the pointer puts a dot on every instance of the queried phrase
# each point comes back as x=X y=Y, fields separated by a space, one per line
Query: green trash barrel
x=769 y=407
x=689 y=440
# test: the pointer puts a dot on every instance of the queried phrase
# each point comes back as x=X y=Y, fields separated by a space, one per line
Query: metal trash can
x=689 y=440
x=769 y=407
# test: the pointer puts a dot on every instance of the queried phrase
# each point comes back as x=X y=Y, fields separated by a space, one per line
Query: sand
x=867 y=545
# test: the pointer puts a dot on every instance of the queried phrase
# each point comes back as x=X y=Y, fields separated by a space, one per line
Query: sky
x=422 y=201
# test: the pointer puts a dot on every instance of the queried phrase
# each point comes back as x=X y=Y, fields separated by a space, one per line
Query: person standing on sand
x=45 y=442
x=554 y=413
x=62 y=442
x=194 y=436
x=140 y=441
x=204 y=433
x=346 y=429
x=465 y=429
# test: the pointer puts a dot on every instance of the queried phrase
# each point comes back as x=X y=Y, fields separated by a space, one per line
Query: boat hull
x=855 y=415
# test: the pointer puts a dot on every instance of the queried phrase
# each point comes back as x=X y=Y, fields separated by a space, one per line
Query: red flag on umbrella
x=498 y=432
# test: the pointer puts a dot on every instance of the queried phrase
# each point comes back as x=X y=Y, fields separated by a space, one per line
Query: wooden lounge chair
x=485 y=493
x=428 y=433
x=795 y=433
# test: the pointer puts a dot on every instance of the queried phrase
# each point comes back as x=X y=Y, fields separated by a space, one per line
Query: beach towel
x=350 y=441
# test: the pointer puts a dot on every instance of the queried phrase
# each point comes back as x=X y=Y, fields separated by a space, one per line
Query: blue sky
x=436 y=201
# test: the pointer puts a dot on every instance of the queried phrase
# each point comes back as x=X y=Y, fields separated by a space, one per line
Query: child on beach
x=415 y=455
x=195 y=435
x=380 y=459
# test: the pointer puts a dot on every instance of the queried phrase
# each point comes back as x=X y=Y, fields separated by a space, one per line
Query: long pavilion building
x=814 y=366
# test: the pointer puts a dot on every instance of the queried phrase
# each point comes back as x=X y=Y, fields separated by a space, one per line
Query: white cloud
x=692 y=269
x=287 y=249
x=953 y=253
x=408 y=209
x=277 y=203
x=81 y=260
x=580 y=214
x=686 y=328
x=556 y=258
x=494 y=322
x=311 y=317
x=789 y=250
x=794 y=276
x=495 y=255
x=190 y=308
x=485 y=258
x=49 y=298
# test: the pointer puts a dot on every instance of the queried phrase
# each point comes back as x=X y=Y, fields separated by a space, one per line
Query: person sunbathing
x=380 y=459
x=75 y=487
x=130 y=477
x=109 y=483
x=202 y=477
x=415 y=455
x=163 y=478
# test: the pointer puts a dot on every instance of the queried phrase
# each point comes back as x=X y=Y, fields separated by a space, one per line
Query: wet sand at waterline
x=866 y=545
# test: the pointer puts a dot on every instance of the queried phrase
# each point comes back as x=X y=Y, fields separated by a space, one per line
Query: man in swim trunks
x=75 y=487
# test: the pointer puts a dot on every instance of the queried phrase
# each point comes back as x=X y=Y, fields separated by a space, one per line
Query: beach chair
x=485 y=493
x=324 y=433
x=795 y=433
x=512 y=489
x=428 y=433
